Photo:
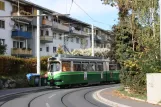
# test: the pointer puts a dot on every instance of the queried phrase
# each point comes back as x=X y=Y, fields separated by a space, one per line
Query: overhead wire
x=71 y=6
x=83 y=11
x=89 y=15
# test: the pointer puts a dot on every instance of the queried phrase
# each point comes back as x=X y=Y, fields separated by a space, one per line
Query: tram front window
x=55 y=67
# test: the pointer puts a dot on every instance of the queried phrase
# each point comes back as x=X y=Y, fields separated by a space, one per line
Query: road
x=74 y=97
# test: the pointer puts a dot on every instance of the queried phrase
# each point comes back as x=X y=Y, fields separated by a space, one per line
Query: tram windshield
x=54 y=67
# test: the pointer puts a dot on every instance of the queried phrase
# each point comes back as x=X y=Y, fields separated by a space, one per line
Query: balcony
x=46 y=39
x=21 y=52
x=60 y=28
x=46 y=23
x=80 y=33
x=18 y=34
x=23 y=13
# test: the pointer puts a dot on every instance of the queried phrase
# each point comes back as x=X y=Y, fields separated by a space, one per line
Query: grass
x=134 y=95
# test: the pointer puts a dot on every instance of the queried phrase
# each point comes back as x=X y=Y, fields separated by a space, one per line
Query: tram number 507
x=85 y=75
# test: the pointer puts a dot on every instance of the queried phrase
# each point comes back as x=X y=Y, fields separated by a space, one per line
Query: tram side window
x=112 y=67
x=100 y=66
x=76 y=66
x=66 y=66
x=91 y=67
x=84 y=66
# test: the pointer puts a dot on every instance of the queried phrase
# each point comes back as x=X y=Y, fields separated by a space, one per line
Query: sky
x=105 y=14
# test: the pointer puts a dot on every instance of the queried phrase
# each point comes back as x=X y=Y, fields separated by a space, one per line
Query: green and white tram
x=68 y=70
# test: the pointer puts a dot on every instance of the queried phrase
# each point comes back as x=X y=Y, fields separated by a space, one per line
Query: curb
x=22 y=92
x=98 y=97
x=144 y=101
x=137 y=99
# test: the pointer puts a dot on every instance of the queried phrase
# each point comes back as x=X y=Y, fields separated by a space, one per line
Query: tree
x=60 y=50
x=2 y=49
x=137 y=41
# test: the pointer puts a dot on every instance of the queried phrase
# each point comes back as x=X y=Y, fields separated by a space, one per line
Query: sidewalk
x=106 y=96
x=7 y=92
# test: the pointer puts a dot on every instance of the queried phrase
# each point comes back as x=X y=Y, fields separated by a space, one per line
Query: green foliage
x=136 y=41
x=12 y=66
x=60 y=50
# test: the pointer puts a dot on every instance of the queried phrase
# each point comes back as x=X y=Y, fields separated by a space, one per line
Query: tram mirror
x=48 y=67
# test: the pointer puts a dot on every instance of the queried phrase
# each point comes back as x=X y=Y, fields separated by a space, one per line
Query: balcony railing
x=81 y=33
x=46 y=23
x=63 y=28
x=23 y=13
x=46 y=39
x=21 y=51
x=60 y=27
x=21 y=34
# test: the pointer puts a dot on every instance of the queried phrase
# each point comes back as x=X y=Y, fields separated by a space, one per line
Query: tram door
x=54 y=68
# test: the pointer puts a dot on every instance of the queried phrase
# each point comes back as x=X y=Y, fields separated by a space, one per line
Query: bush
x=10 y=65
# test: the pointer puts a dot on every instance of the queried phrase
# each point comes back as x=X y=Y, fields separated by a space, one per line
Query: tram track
x=63 y=99
x=11 y=97
x=29 y=104
x=84 y=94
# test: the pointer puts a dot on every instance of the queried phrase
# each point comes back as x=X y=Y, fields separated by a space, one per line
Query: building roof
x=51 y=12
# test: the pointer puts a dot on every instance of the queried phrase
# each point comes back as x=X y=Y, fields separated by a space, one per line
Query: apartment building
x=20 y=33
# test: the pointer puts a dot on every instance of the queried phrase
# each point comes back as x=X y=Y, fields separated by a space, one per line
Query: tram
x=67 y=70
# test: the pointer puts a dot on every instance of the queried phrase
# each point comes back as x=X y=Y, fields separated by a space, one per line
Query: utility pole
x=38 y=41
x=92 y=40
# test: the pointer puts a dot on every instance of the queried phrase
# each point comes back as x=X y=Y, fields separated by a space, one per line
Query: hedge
x=10 y=65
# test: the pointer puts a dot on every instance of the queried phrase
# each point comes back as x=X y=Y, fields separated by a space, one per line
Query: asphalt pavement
x=7 y=92
x=107 y=96
x=74 y=97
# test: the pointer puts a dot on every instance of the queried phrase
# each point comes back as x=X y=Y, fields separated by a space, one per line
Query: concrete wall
x=153 y=87
x=6 y=33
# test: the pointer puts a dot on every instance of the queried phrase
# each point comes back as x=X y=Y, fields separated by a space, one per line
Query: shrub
x=10 y=65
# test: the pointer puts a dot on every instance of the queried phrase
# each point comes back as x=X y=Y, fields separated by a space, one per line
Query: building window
x=67 y=38
x=2 y=5
x=71 y=39
x=87 y=42
x=77 y=40
x=47 y=33
x=58 y=21
x=60 y=36
x=47 y=17
x=2 y=24
x=55 y=20
x=47 y=49
x=54 y=49
x=40 y=49
x=54 y=35
x=2 y=41
x=18 y=44
x=21 y=44
x=42 y=32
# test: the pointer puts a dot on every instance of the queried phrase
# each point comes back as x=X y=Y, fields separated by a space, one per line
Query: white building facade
x=20 y=33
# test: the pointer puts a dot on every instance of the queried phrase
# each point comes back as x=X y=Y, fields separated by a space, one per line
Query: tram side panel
x=70 y=78
x=113 y=76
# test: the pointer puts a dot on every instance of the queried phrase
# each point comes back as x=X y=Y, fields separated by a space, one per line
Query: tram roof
x=64 y=56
